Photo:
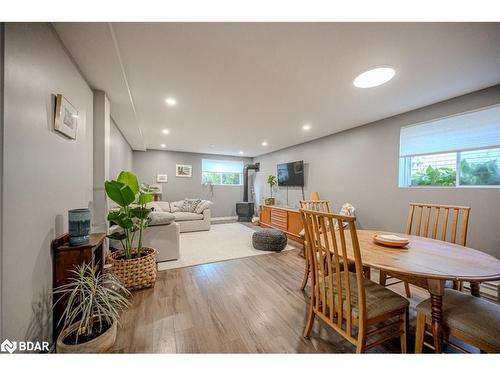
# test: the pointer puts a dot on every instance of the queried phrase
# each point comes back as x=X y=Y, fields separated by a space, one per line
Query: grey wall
x=150 y=163
x=120 y=153
x=2 y=74
x=47 y=173
x=360 y=166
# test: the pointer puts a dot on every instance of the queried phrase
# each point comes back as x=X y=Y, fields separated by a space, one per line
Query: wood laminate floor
x=249 y=305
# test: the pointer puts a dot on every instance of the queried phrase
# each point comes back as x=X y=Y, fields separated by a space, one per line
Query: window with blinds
x=460 y=150
x=222 y=172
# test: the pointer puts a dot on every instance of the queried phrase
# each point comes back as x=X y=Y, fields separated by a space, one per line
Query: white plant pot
x=100 y=344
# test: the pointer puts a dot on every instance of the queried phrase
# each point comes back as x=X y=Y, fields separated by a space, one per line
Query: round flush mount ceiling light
x=264 y=143
x=171 y=101
x=165 y=131
x=241 y=152
x=374 y=77
x=306 y=127
x=163 y=145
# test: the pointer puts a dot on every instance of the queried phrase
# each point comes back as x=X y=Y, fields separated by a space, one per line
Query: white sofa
x=188 y=221
x=163 y=232
x=164 y=238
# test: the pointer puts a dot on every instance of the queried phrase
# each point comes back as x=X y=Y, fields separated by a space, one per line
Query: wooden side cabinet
x=285 y=219
x=66 y=258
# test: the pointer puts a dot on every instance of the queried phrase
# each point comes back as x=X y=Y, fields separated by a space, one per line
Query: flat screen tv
x=291 y=174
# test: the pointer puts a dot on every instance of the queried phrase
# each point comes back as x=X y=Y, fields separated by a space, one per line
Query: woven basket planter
x=137 y=273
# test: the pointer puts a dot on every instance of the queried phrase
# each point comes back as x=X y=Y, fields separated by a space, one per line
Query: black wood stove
x=246 y=209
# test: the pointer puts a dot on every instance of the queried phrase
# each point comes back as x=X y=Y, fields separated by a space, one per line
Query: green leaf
x=117 y=236
x=144 y=198
x=140 y=213
x=130 y=179
x=119 y=193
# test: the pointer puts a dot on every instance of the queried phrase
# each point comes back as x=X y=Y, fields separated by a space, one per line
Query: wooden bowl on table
x=390 y=240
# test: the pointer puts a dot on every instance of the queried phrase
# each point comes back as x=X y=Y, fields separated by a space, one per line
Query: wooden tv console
x=283 y=218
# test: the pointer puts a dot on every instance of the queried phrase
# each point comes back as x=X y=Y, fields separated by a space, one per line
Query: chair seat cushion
x=474 y=316
x=379 y=300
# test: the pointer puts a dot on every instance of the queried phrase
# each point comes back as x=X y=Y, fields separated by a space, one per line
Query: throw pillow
x=176 y=206
x=190 y=205
x=202 y=206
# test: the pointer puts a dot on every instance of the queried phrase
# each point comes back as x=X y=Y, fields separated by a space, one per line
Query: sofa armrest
x=207 y=215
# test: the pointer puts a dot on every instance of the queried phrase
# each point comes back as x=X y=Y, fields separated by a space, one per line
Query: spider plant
x=91 y=297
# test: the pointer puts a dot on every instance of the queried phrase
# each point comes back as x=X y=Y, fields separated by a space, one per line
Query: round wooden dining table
x=428 y=263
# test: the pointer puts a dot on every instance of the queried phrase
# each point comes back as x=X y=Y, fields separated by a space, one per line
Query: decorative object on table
x=66 y=258
x=134 y=265
x=271 y=181
x=182 y=170
x=79 y=226
x=66 y=117
x=346 y=210
x=390 y=240
x=255 y=220
x=269 y=240
x=93 y=303
x=161 y=178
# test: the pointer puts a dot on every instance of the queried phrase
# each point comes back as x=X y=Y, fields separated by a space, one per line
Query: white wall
x=360 y=166
x=120 y=153
x=46 y=173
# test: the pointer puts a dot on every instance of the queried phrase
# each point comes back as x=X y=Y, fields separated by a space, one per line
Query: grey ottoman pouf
x=269 y=240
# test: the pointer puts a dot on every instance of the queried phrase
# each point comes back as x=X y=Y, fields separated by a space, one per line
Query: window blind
x=222 y=166
x=466 y=131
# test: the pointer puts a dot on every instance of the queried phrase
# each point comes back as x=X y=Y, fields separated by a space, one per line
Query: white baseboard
x=223 y=218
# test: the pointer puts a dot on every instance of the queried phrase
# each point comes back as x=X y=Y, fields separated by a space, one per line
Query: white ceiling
x=238 y=84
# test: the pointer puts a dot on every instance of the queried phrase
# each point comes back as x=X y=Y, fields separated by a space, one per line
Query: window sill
x=451 y=187
x=222 y=184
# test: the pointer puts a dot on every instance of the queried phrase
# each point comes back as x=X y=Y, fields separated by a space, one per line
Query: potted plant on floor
x=134 y=265
x=271 y=181
x=93 y=302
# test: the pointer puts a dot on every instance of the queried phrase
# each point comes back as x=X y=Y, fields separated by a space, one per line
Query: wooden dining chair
x=344 y=300
x=433 y=221
x=470 y=319
x=314 y=205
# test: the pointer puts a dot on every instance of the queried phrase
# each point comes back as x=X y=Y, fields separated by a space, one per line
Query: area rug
x=221 y=242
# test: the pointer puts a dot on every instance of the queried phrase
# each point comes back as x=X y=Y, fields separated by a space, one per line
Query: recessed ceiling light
x=163 y=145
x=241 y=152
x=374 y=77
x=165 y=131
x=171 y=101
x=264 y=143
x=306 y=127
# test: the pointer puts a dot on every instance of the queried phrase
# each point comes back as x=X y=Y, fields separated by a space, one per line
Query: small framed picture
x=183 y=170
x=66 y=117
x=161 y=178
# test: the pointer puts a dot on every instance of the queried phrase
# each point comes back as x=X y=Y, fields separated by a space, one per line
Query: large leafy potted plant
x=93 y=303
x=134 y=265
x=271 y=181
